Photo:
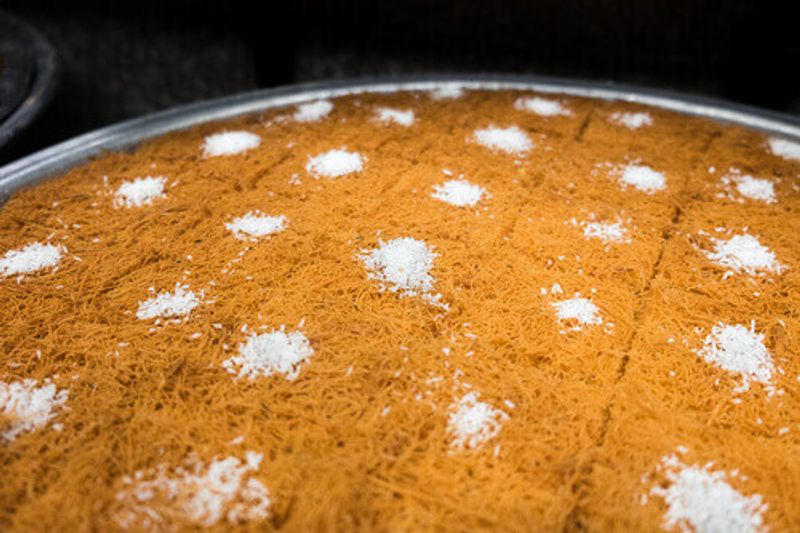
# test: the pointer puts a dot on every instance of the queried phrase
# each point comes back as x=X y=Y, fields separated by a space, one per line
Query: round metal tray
x=59 y=158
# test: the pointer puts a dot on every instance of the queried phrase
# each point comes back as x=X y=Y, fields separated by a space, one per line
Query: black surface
x=28 y=77
x=16 y=67
x=126 y=58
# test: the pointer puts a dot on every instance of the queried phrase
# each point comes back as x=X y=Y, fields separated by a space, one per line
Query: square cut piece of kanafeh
x=621 y=124
x=769 y=153
x=720 y=364
x=637 y=179
x=572 y=235
x=667 y=471
x=555 y=115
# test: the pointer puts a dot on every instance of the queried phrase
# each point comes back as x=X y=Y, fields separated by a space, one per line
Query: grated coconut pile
x=699 y=499
x=740 y=350
x=744 y=253
x=313 y=111
x=255 y=224
x=510 y=140
x=642 y=178
x=334 y=164
x=459 y=193
x=632 y=121
x=542 y=106
x=265 y=354
x=27 y=407
x=403 y=266
x=177 y=303
x=198 y=494
x=395 y=116
x=31 y=258
x=472 y=423
x=140 y=192
x=785 y=148
x=578 y=310
x=230 y=143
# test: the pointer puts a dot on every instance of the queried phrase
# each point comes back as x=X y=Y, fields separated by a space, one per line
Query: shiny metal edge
x=63 y=156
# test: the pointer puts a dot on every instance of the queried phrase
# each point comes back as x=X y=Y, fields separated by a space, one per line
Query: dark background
x=126 y=58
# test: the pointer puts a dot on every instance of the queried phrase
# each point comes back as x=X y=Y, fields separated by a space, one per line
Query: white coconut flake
x=388 y=115
x=605 y=231
x=744 y=253
x=471 y=423
x=460 y=193
x=140 y=192
x=699 y=499
x=229 y=143
x=747 y=187
x=740 y=350
x=510 y=140
x=334 y=163
x=177 y=303
x=194 y=493
x=580 y=310
x=447 y=91
x=643 y=178
x=403 y=266
x=275 y=352
x=542 y=106
x=255 y=225
x=34 y=256
x=785 y=148
x=26 y=407
x=313 y=111
x=756 y=189
x=630 y=120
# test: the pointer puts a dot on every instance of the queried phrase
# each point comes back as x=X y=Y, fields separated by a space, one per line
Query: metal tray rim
x=60 y=157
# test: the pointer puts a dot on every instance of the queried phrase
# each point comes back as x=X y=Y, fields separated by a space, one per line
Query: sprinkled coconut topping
x=26 y=407
x=447 y=91
x=313 y=111
x=701 y=500
x=179 y=302
x=605 y=231
x=744 y=253
x=746 y=187
x=229 y=143
x=633 y=121
x=510 y=140
x=643 y=178
x=578 y=309
x=785 y=148
x=194 y=493
x=389 y=115
x=35 y=256
x=460 y=193
x=740 y=350
x=403 y=266
x=255 y=224
x=276 y=352
x=139 y=192
x=471 y=422
x=757 y=189
x=542 y=106
x=334 y=163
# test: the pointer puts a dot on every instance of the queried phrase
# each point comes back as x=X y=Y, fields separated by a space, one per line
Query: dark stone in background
x=126 y=58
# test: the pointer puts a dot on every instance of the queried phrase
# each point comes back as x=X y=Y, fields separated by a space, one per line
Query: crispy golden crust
x=590 y=411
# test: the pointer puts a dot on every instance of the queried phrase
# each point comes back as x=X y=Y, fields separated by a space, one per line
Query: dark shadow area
x=124 y=59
